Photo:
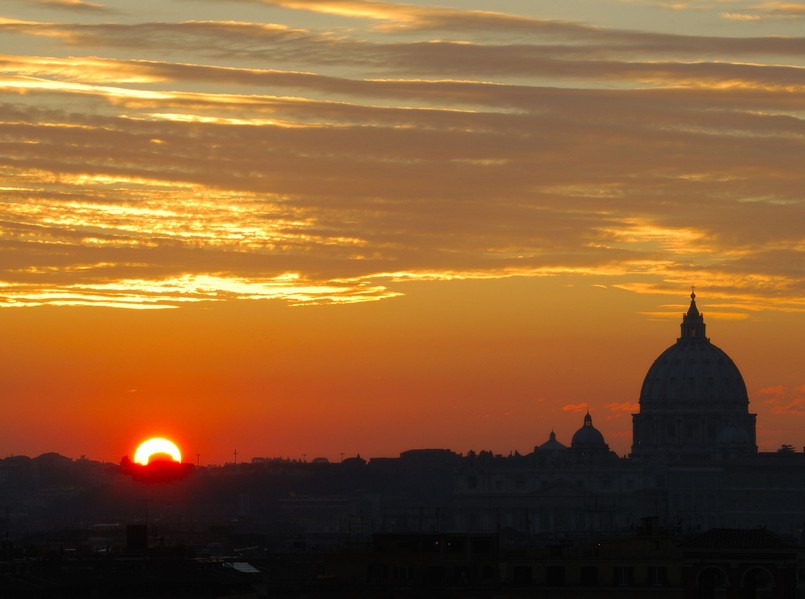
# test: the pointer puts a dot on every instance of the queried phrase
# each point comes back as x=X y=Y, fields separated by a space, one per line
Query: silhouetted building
x=734 y=564
x=137 y=538
x=693 y=403
x=567 y=520
x=694 y=462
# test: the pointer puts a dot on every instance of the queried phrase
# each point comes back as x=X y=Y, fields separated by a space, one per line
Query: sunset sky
x=323 y=227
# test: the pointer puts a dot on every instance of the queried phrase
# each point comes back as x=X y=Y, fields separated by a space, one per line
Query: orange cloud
x=776 y=391
x=80 y=5
x=362 y=161
x=784 y=402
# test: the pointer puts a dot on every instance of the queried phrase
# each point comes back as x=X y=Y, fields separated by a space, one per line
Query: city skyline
x=334 y=226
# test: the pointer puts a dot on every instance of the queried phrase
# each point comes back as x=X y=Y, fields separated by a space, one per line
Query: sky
x=304 y=228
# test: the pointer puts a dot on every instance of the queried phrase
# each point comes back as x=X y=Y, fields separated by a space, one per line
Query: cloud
x=742 y=10
x=73 y=5
x=735 y=16
x=163 y=163
x=794 y=407
x=544 y=42
x=575 y=407
x=402 y=16
x=171 y=292
x=417 y=17
x=786 y=10
x=624 y=407
x=783 y=401
x=776 y=391
x=360 y=210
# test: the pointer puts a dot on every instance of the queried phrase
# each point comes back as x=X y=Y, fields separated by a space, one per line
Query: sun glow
x=154 y=446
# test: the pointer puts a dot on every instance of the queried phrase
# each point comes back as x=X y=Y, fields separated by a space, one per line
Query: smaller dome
x=732 y=435
x=552 y=444
x=588 y=437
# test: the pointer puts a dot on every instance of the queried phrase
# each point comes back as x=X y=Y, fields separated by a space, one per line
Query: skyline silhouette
x=694 y=494
x=315 y=228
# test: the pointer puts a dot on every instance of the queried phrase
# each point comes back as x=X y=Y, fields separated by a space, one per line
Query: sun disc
x=156 y=445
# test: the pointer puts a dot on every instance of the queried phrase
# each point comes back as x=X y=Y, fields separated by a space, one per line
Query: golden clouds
x=78 y=5
x=738 y=10
x=96 y=70
x=197 y=159
x=150 y=294
x=352 y=8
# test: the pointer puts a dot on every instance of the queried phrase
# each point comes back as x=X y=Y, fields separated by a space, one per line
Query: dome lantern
x=693 y=327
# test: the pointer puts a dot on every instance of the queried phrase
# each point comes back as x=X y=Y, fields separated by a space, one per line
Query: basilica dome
x=551 y=444
x=693 y=370
x=588 y=438
x=693 y=402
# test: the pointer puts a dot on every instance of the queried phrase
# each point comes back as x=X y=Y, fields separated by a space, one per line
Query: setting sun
x=156 y=445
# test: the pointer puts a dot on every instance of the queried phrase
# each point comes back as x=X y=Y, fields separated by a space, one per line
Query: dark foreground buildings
x=694 y=511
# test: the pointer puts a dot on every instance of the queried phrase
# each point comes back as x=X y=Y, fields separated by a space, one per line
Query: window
x=759 y=582
x=712 y=582
x=623 y=576
x=657 y=576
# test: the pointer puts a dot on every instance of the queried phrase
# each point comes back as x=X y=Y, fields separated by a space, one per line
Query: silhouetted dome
x=588 y=437
x=552 y=444
x=732 y=435
x=693 y=370
x=693 y=403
